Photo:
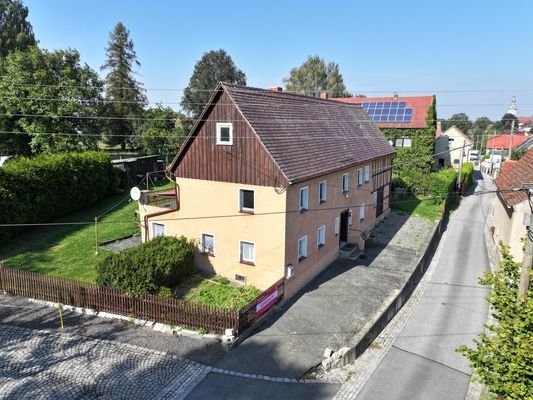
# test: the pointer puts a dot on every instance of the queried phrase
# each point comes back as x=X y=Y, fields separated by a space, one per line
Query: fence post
x=2 y=277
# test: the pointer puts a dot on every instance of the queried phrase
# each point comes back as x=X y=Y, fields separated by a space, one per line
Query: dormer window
x=225 y=133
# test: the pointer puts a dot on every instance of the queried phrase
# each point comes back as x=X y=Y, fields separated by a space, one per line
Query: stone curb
x=262 y=377
x=156 y=326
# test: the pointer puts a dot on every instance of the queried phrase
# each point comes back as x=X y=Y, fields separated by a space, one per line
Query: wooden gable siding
x=246 y=161
x=381 y=171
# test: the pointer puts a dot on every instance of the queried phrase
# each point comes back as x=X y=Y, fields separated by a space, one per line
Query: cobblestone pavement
x=37 y=364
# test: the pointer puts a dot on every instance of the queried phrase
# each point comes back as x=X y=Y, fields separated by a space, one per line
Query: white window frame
x=359 y=176
x=320 y=198
x=337 y=226
x=241 y=206
x=304 y=207
x=367 y=173
x=362 y=212
x=303 y=256
x=210 y=253
x=350 y=219
x=221 y=125
x=154 y=224
x=374 y=199
x=345 y=183
x=241 y=258
x=321 y=241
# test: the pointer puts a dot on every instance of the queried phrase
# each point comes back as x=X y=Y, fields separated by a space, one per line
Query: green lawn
x=421 y=206
x=69 y=250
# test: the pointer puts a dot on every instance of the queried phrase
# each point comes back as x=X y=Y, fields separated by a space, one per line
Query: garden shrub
x=442 y=184
x=164 y=261
x=467 y=176
x=40 y=189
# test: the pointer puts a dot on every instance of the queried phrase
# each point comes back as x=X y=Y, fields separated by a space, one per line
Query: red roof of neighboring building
x=419 y=104
x=502 y=141
x=513 y=178
x=525 y=120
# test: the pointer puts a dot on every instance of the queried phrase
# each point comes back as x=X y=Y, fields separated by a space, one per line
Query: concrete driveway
x=333 y=308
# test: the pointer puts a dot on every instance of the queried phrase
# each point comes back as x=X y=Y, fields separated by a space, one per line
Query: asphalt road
x=422 y=363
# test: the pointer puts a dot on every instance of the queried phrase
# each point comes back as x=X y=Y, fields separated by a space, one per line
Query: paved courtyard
x=36 y=364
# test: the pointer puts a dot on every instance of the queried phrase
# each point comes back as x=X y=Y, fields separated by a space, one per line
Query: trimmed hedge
x=164 y=261
x=467 y=176
x=442 y=184
x=41 y=189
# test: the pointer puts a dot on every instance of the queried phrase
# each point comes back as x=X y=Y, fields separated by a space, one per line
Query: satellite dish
x=135 y=193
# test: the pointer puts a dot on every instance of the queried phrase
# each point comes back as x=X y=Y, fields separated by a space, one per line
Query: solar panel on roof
x=388 y=111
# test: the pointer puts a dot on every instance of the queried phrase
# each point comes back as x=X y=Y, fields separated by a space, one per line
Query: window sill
x=224 y=144
x=247 y=262
x=300 y=259
x=247 y=211
x=321 y=245
x=302 y=210
x=361 y=220
x=345 y=191
x=322 y=201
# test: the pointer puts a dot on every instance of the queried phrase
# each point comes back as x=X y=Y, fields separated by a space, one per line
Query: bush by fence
x=467 y=176
x=162 y=262
x=40 y=189
x=442 y=183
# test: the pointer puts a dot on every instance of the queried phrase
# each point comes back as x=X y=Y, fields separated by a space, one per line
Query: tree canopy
x=503 y=357
x=16 y=33
x=507 y=122
x=460 y=120
x=314 y=77
x=215 y=66
x=56 y=112
x=124 y=94
x=163 y=130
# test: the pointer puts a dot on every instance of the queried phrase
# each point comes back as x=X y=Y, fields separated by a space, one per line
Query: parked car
x=474 y=155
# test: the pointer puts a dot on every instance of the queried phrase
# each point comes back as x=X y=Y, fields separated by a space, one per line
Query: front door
x=343 y=231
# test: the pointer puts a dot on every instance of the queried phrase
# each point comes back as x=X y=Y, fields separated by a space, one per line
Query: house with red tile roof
x=511 y=206
x=503 y=142
x=275 y=185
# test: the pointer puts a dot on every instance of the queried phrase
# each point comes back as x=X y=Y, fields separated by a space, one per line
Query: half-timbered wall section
x=245 y=161
x=381 y=171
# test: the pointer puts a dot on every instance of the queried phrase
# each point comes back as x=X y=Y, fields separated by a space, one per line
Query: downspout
x=157 y=214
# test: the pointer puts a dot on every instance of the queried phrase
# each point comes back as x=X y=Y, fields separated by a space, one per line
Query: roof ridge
x=301 y=97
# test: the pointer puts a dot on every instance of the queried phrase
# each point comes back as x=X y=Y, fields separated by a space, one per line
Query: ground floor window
x=158 y=229
x=247 y=252
x=208 y=244
x=302 y=248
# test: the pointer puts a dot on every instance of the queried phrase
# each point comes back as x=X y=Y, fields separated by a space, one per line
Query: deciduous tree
x=460 y=120
x=124 y=94
x=507 y=122
x=52 y=99
x=16 y=33
x=314 y=77
x=215 y=66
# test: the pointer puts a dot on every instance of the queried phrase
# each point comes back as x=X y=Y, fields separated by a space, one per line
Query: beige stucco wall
x=308 y=222
x=511 y=230
x=202 y=205
x=444 y=143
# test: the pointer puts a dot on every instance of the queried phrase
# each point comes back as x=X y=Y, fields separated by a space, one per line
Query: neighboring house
x=500 y=144
x=448 y=147
x=525 y=124
x=271 y=184
x=511 y=208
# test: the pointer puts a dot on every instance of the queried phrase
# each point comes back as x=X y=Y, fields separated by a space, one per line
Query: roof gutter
x=159 y=213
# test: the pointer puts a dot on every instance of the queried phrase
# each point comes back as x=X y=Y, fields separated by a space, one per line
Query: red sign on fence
x=267 y=300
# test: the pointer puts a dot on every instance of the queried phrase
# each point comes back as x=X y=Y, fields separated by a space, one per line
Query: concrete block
x=327 y=352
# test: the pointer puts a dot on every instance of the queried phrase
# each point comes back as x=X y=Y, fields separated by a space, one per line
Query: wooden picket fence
x=99 y=298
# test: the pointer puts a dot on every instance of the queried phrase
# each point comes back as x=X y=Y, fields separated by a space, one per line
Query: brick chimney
x=324 y=95
x=276 y=89
x=439 y=129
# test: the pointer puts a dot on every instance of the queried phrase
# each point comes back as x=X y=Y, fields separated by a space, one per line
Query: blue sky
x=413 y=47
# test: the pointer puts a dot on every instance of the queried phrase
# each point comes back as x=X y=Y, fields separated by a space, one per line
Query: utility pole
x=511 y=140
x=528 y=256
x=460 y=166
